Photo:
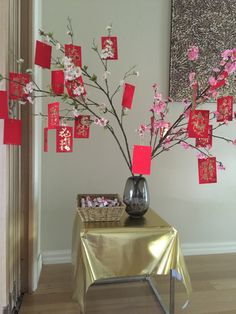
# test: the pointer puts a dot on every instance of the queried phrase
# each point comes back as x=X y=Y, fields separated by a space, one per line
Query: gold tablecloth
x=127 y=248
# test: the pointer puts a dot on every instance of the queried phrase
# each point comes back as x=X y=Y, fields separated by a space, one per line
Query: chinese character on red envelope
x=53 y=115
x=109 y=48
x=207 y=170
x=225 y=108
x=74 y=52
x=64 y=139
x=43 y=53
x=198 y=123
x=128 y=95
x=45 y=140
x=3 y=104
x=76 y=88
x=141 y=163
x=205 y=142
x=57 y=81
x=82 y=126
x=17 y=84
x=12 y=132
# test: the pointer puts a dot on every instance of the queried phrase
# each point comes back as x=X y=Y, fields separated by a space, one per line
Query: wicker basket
x=100 y=213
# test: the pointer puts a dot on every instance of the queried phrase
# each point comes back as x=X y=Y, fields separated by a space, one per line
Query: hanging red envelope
x=128 y=95
x=12 y=132
x=57 y=81
x=218 y=84
x=141 y=163
x=207 y=170
x=43 y=54
x=205 y=142
x=45 y=140
x=82 y=126
x=64 y=139
x=17 y=82
x=109 y=48
x=74 y=52
x=225 y=108
x=3 y=104
x=198 y=123
x=53 y=115
x=76 y=88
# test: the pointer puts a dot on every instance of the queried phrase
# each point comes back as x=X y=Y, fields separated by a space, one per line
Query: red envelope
x=128 y=95
x=74 y=52
x=57 y=81
x=64 y=139
x=198 y=123
x=16 y=85
x=43 y=54
x=109 y=48
x=225 y=108
x=53 y=115
x=45 y=140
x=72 y=85
x=141 y=163
x=3 y=104
x=82 y=126
x=12 y=132
x=218 y=84
x=204 y=142
x=207 y=170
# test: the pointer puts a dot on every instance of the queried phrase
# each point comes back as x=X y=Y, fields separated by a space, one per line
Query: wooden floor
x=214 y=291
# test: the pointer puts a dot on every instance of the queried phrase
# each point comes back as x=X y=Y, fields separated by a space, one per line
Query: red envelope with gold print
x=82 y=126
x=64 y=139
x=53 y=115
x=207 y=170
x=72 y=86
x=225 y=108
x=109 y=48
x=57 y=81
x=12 y=131
x=141 y=163
x=16 y=85
x=128 y=95
x=74 y=52
x=3 y=104
x=43 y=54
x=198 y=123
x=205 y=142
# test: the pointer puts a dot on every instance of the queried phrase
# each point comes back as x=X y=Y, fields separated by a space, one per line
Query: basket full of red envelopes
x=100 y=207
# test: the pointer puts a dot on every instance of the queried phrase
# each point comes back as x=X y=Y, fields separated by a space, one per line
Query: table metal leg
x=172 y=293
x=151 y=285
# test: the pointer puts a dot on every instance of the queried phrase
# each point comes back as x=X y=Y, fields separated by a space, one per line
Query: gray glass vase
x=136 y=196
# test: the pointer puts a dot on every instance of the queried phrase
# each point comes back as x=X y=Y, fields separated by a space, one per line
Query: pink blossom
x=201 y=156
x=230 y=67
x=187 y=113
x=233 y=57
x=216 y=70
x=193 y=52
x=192 y=76
x=158 y=96
x=234 y=142
x=226 y=54
x=212 y=81
x=222 y=63
x=184 y=145
x=158 y=108
x=101 y=122
x=220 y=166
x=142 y=129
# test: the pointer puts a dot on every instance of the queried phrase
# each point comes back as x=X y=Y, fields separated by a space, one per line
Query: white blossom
x=58 y=46
x=105 y=75
x=78 y=91
x=20 y=61
x=29 y=88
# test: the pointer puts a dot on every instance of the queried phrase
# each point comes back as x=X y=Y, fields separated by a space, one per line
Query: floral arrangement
x=71 y=82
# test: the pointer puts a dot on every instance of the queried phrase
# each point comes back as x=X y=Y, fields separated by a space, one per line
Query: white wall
x=203 y=214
